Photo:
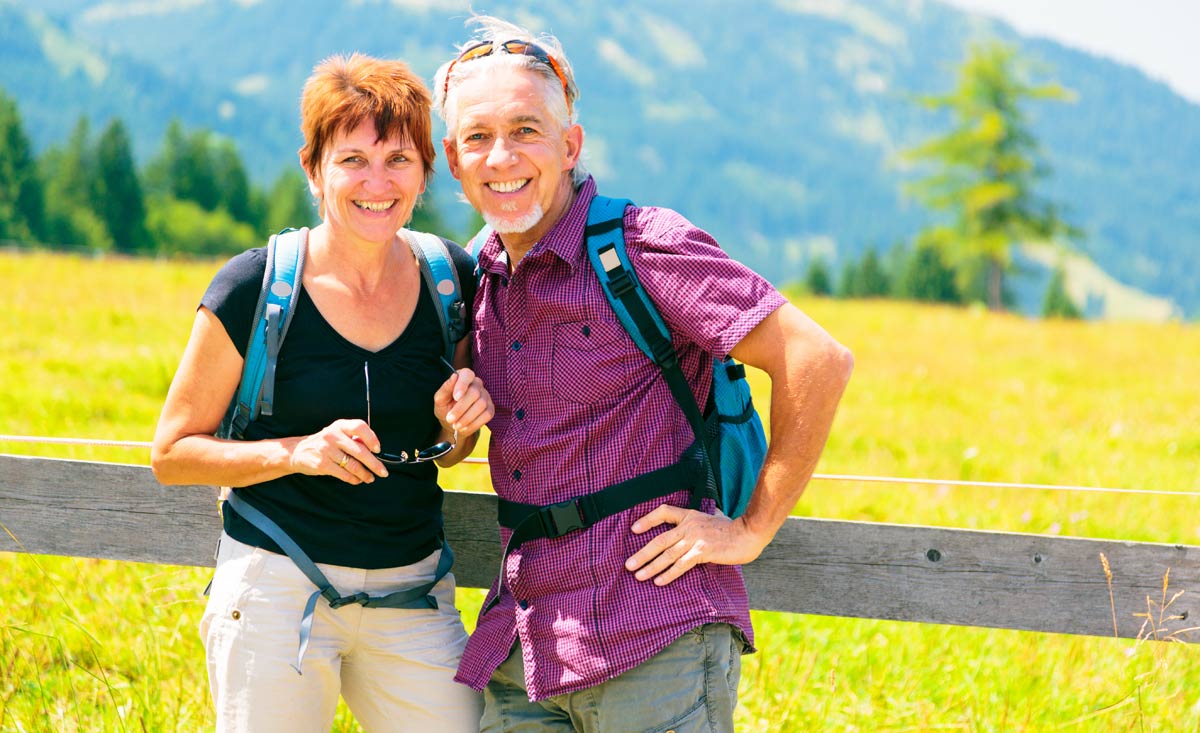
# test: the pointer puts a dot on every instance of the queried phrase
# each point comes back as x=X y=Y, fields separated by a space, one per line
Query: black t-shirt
x=321 y=377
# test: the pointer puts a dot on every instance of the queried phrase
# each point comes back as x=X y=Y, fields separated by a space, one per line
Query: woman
x=361 y=372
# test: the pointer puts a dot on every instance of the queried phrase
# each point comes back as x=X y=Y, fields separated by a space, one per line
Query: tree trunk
x=995 y=284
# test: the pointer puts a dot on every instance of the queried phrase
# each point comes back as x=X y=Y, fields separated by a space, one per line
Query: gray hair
x=562 y=102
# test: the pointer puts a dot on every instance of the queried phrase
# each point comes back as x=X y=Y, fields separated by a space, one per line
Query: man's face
x=511 y=154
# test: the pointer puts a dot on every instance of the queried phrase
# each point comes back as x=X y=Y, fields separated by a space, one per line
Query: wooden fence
x=814 y=566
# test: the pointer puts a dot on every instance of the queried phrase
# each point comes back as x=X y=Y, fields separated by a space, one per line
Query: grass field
x=89 y=346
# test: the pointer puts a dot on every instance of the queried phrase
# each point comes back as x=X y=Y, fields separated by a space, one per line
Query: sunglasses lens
x=436 y=450
x=521 y=48
x=393 y=459
x=479 y=50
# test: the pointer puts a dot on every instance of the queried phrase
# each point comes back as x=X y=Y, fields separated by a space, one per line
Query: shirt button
x=523 y=604
x=520 y=413
x=504 y=282
x=516 y=475
x=516 y=346
x=587 y=331
x=236 y=614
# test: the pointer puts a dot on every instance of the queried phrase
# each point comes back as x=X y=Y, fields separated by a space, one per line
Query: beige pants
x=394 y=667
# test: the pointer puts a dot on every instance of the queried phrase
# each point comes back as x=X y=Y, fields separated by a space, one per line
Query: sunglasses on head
x=516 y=48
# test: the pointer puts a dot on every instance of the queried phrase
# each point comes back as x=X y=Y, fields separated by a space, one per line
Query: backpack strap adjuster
x=360 y=598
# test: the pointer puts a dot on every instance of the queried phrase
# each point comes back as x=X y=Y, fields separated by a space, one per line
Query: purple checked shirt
x=579 y=408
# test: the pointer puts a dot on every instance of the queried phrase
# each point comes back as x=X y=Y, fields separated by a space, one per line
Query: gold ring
x=345 y=459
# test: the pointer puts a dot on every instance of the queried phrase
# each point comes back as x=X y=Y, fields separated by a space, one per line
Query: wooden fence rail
x=814 y=566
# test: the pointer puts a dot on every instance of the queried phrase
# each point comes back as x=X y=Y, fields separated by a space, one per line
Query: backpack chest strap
x=531 y=522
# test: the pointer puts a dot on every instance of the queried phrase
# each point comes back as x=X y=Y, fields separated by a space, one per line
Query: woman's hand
x=344 y=449
x=462 y=404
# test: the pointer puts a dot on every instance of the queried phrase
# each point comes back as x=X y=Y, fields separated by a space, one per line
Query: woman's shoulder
x=244 y=267
x=233 y=293
x=464 y=261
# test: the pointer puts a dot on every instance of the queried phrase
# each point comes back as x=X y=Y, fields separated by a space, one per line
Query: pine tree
x=184 y=168
x=1057 y=304
x=118 y=201
x=873 y=281
x=290 y=203
x=21 y=195
x=816 y=278
x=70 y=174
x=849 y=285
x=233 y=186
x=925 y=276
x=987 y=165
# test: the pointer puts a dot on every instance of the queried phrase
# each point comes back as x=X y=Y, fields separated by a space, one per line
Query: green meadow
x=89 y=346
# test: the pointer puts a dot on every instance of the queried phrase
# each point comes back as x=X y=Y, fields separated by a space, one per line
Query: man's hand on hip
x=696 y=538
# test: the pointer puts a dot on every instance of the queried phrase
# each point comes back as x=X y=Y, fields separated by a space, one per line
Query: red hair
x=343 y=92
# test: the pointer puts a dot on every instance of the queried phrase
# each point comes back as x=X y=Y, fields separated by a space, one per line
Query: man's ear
x=574 y=136
x=451 y=156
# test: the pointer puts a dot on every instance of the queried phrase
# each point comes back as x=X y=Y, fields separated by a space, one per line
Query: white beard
x=508 y=225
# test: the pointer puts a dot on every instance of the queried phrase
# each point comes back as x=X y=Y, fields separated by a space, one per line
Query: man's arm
x=809 y=371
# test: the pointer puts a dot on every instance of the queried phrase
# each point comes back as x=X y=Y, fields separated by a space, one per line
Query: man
x=638 y=621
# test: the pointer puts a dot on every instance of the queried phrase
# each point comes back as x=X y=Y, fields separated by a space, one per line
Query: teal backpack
x=731 y=434
x=277 y=304
x=730 y=440
x=256 y=396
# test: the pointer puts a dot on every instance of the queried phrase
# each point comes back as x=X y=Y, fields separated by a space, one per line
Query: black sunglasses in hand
x=418 y=455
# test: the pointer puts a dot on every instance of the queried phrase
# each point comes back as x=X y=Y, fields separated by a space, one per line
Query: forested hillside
x=777 y=127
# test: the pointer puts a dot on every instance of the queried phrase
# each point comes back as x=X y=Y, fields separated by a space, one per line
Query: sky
x=1160 y=37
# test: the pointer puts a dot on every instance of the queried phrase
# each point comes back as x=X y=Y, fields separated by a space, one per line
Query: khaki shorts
x=689 y=687
x=394 y=666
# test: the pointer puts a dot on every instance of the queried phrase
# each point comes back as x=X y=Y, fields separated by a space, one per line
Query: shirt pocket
x=589 y=363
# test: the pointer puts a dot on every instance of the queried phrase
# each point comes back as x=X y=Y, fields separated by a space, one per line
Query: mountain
x=776 y=126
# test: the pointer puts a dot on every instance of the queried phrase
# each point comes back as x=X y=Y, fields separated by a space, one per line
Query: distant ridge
x=775 y=127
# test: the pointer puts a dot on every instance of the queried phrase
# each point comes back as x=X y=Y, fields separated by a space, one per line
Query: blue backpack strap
x=480 y=237
x=272 y=316
x=418 y=597
x=604 y=239
x=441 y=278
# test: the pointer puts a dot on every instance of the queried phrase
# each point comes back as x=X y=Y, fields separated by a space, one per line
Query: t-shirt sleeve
x=233 y=294
x=703 y=295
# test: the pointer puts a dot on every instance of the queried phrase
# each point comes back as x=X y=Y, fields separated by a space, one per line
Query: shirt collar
x=564 y=240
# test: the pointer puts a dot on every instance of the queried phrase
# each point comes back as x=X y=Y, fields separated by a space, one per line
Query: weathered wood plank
x=835 y=568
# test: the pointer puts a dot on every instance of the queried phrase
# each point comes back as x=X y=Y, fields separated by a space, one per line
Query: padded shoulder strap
x=272 y=317
x=604 y=239
x=477 y=241
x=441 y=278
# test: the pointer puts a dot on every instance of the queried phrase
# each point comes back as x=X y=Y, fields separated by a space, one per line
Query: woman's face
x=368 y=187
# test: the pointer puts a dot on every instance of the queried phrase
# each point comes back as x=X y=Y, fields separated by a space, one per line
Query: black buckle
x=562 y=518
x=619 y=282
x=664 y=354
x=360 y=598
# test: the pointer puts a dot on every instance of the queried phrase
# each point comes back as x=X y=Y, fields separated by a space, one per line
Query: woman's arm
x=464 y=404
x=185 y=451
